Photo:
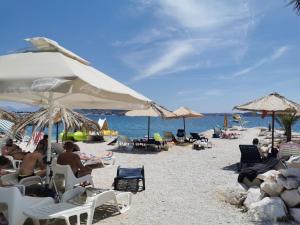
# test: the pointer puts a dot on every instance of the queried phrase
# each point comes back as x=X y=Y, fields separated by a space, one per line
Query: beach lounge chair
x=68 y=207
x=169 y=136
x=69 y=178
x=249 y=156
x=17 y=203
x=15 y=163
x=127 y=174
x=196 y=137
x=159 y=141
x=124 y=142
x=181 y=135
x=9 y=179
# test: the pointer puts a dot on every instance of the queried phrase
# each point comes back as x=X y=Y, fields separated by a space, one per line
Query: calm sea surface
x=134 y=127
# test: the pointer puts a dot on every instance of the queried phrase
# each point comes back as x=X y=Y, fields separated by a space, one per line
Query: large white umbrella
x=184 y=112
x=153 y=111
x=50 y=75
x=272 y=103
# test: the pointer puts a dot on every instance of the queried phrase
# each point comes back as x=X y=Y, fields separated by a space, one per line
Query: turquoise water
x=135 y=127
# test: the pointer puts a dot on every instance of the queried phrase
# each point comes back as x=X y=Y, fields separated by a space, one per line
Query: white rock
x=293 y=162
x=295 y=213
x=288 y=183
x=268 y=209
x=291 y=197
x=236 y=194
x=253 y=195
x=290 y=172
x=266 y=175
x=272 y=187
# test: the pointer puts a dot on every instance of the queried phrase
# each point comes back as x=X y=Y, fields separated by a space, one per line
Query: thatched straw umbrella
x=184 y=113
x=70 y=119
x=10 y=116
x=272 y=103
x=153 y=111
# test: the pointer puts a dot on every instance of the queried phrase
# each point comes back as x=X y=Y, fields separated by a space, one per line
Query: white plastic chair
x=16 y=204
x=69 y=177
x=16 y=163
x=28 y=181
x=9 y=179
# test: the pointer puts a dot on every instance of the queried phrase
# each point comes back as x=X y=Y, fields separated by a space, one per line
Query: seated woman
x=13 y=150
x=31 y=161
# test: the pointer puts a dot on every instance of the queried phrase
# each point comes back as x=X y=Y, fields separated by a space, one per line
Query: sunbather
x=30 y=161
x=13 y=150
x=92 y=160
x=68 y=157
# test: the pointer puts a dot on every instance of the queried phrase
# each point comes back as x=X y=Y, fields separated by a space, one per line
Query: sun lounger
x=180 y=135
x=17 y=203
x=70 y=207
x=127 y=174
x=249 y=156
x=195 y=137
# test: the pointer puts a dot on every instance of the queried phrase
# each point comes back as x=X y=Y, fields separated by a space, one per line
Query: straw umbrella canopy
x=153 y=111
x=184 y=112
x=51 y=74
x=10 y=116
x=272 y=103
x=70 y=119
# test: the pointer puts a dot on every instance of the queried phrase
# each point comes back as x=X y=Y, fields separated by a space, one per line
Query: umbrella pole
x=50 y=109
x=273 y=124
x=56 y=132
x=148 y=128
x=184 y=124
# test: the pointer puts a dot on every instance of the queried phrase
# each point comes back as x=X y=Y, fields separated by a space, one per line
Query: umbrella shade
x=153 y=111
x=184 y=112
x=272 y=103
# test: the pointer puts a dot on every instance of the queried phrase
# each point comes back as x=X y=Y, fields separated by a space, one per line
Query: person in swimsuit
x=31 y=161
x=13 y=150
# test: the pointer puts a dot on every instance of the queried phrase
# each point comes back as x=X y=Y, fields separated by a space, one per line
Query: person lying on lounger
x=31 y=161
x=13 y=150
x=68 y=157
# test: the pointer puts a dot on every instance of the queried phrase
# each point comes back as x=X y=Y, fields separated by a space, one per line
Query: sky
x=209 y=55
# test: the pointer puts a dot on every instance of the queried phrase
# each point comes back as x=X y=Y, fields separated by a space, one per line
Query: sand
x=183 y=186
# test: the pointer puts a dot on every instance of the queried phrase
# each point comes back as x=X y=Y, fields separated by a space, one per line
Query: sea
x=137 y=127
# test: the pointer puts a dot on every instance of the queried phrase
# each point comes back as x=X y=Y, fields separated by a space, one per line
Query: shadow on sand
x=233 y=167
x=144 y=151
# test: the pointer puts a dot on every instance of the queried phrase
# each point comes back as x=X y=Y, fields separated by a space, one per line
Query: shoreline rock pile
x=276 y=198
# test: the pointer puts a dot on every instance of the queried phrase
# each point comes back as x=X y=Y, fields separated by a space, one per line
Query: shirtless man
x=72 y=159
x=31 y=161
x=13 y=150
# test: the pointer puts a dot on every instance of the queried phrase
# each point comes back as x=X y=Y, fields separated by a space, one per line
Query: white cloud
x=175 y=53
x=187 y=35
x=276 y=54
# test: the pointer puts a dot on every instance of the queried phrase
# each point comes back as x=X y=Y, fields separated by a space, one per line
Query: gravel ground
x=183 y=186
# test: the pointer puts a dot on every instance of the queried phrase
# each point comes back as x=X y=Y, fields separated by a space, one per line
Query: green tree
x=286 y=121
x=296 y=4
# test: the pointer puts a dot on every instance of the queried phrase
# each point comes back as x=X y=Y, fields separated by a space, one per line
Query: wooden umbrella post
x=273 y=127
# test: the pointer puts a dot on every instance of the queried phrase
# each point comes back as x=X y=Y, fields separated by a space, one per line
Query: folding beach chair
x=249 y=156
x=125 y=175
x=181 y=135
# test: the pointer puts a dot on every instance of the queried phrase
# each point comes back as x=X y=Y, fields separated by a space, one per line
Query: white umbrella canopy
x=9 y=116
x=272 y=103
x=51 y=74
x=184 y=112
x=153 y=111
x=80 y=84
